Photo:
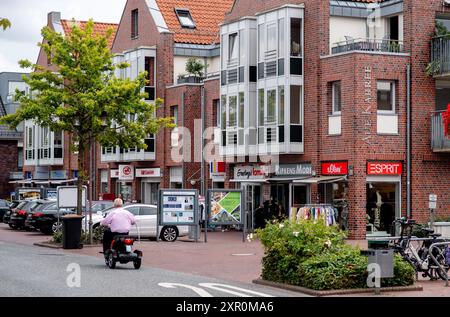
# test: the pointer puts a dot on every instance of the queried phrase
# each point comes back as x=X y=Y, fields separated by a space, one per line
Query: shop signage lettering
x=148 y=172
x=367 y=107
x=114 y=173
x=58 y=174
x=381 y=168
x=293 y=170
x=335 y=168
x=249 y=172
x=126 y=173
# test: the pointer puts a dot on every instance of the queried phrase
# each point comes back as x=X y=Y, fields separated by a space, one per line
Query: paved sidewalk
x=225 y=257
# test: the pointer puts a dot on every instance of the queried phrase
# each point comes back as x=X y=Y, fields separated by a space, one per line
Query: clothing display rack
x=326 y=212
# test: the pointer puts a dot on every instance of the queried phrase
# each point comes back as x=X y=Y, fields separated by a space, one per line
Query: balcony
x=439 y=142
x=110 y=155
x=440 y=57
x=368 y=45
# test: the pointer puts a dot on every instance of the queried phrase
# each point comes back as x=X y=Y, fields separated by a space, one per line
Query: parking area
x=225 y=257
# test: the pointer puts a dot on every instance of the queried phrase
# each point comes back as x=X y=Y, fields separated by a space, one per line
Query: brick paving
x=225 y=257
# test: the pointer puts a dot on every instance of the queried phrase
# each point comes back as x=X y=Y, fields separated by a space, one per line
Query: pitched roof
x=99 y=28
x=207 y=15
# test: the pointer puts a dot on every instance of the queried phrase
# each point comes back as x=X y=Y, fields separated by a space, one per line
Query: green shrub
x=57 y=237
x=315 y=256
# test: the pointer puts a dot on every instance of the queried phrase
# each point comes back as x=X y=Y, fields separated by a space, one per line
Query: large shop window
x=381 y=207
x=296 y=114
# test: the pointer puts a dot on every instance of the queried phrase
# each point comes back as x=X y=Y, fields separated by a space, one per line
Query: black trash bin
x=71 y=226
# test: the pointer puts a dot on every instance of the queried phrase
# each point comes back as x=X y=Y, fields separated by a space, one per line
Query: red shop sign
x=335 y=168
x=383 y=168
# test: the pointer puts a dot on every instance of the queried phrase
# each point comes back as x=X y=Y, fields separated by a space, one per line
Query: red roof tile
x=207 y=15
x=99 y=28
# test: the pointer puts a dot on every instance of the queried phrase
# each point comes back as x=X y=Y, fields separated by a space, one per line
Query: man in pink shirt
x=119 y=222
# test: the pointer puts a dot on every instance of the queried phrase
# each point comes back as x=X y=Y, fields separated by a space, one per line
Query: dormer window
x=185 y=18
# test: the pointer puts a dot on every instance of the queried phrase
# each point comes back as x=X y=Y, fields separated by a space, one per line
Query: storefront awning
x=22 y=182
x=248 y=180
x=287 y=178
x=320 y=180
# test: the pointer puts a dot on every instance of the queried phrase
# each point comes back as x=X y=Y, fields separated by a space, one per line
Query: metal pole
x=90 y=192
x=203 y=180
x=408 y=141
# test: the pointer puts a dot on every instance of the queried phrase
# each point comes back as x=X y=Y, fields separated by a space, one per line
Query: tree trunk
x=81 y=175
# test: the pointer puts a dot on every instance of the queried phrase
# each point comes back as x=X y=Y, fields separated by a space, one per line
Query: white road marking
x=223 y=288
x=197 y=290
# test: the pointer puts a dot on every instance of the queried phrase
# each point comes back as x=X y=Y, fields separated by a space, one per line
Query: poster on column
x=225 y=207
x=178 y=207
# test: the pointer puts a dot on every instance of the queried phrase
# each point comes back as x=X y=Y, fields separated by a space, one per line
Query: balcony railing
x=440 y=55
x=439 y=142
x=368 y=45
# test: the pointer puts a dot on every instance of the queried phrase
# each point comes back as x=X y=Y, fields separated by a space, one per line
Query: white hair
x=118 y=203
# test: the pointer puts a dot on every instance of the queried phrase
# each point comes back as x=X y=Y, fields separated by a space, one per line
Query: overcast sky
x=29 y=16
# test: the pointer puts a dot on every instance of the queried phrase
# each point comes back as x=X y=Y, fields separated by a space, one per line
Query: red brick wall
x=8 y=163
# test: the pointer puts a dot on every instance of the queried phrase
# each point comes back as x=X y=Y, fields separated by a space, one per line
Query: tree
x=194 y=67
x=4 y=23
x=84 y=98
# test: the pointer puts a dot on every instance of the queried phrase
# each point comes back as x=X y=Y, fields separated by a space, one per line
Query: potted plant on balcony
x=194 y=69
x=434 y=67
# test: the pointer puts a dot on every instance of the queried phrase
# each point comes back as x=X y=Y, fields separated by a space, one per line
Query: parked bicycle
x=416 y=250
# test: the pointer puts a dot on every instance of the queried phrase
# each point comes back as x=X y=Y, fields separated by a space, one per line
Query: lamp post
x=92 y=178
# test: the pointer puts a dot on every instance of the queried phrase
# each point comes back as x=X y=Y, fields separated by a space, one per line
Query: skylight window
x=185 y=18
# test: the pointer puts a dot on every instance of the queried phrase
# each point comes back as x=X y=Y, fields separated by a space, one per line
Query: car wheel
x=11 y=226
x=56 y=227
x=169 y=234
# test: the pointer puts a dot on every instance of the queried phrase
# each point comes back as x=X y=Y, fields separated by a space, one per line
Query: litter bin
x=71 y=226
x=385 y=259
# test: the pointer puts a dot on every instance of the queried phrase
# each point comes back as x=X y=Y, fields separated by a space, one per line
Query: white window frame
x=185 y=21
x=393 y=97
x=233 y=49
x=333 y=98
x=274 y=47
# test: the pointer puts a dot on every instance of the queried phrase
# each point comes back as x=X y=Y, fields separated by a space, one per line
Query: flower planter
x=442 y=228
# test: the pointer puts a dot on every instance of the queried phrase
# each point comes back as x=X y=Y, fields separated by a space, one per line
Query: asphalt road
x=39 y=272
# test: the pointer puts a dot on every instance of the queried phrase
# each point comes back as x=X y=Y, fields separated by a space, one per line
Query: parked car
x=146 y=220
x=44 y=217
x=4 y=207
x=18 y=215
x=16 y=205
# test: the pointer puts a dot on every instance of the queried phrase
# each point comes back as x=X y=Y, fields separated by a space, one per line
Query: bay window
x=232 y=47
x=296 y=130
x=232 y=107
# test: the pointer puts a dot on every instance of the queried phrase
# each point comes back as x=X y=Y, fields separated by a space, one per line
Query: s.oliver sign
x=335 y=168
x=126 y=172
x=148 y=172
x=384 y=168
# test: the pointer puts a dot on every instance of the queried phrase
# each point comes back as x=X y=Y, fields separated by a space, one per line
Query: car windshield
x=22 y=204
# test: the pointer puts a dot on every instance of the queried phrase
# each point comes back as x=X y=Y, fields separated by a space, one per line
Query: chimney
x=54 y=17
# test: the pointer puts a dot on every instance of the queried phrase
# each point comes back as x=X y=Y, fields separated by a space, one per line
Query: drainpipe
x=203 y=181
x=408 y=140
x=183 y=98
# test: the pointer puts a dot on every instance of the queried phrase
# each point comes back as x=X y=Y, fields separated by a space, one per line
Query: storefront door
x=253 y=196
x=124 y=191
x=280 y=194
x=383 y=206
x=150 y=193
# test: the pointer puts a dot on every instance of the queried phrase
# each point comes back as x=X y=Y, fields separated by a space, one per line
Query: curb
x=59 y=246
x=312 y=292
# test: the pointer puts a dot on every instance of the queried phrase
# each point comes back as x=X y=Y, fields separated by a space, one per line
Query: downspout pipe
x=183 y=98
x=408 y=140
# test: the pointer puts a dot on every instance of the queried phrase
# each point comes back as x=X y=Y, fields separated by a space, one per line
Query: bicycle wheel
x=439 y=254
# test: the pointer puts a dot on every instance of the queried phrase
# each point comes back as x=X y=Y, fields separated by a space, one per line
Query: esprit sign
x=383 y=168
x=148 y=172
x=335 y=168
x=249 y=172
x=126 y=173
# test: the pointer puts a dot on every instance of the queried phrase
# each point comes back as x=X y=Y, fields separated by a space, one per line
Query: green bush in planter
x=315 y=256
x=57 y=237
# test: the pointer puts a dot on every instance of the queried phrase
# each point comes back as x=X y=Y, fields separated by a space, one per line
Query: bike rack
x=434 y=245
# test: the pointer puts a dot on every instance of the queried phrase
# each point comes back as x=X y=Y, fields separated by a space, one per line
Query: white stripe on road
x=223 y=288
x=201 y=292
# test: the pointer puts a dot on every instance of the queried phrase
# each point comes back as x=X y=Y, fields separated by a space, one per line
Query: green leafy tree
x=84 y=98
x=4 y=23
x=195 y=67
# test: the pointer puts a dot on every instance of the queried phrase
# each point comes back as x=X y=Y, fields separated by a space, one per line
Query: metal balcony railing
x=368 y=45
x=440 y=55
x=439 y=142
